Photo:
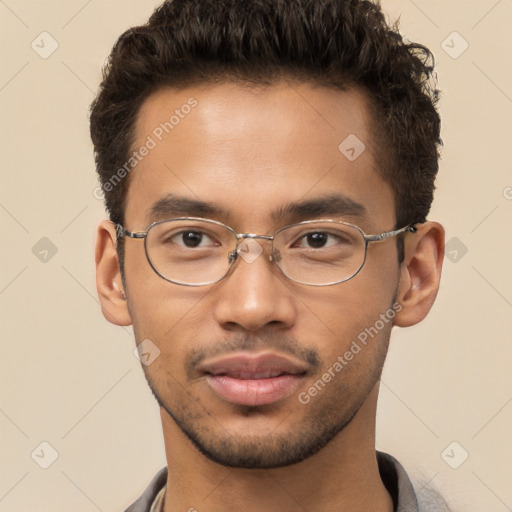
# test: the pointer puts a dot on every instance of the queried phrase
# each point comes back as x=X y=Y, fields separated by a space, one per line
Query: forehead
x=252 y=151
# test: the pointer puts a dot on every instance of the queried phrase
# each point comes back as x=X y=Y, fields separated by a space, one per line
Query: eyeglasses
x=192 y=251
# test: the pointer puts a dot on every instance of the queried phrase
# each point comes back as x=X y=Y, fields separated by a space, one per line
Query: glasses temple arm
x=389 y=234
x=122 y=232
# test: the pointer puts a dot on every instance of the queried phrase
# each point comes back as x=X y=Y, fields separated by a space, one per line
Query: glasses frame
x=122 y=232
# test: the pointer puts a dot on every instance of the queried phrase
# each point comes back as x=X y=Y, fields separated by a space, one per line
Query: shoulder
x=430 y=499
x=398 y=483
x=143 y=504
x=408 y=495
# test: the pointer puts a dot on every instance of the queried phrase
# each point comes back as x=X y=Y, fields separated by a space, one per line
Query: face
x=240 y=359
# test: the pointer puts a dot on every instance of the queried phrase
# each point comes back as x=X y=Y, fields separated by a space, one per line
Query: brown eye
x=316 y=240
x=319 y=240
x=192 y=238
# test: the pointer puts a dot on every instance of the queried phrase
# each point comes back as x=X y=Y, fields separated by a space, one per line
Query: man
x=268 y=166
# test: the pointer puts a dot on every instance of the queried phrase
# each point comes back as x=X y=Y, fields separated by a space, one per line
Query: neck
x=343 y=475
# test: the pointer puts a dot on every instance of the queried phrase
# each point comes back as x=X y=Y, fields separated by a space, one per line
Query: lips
x=249 y=379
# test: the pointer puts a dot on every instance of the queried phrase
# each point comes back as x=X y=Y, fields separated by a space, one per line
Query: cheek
x=355 y=304
x=352 y=320
x=167 y=314
x=174 y=318
x=175 y=325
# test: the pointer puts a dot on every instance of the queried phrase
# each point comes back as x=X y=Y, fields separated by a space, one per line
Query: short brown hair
x=334 y=43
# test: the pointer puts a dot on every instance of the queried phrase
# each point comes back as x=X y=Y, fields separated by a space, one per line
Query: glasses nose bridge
x=241 y=237
x=253 y=236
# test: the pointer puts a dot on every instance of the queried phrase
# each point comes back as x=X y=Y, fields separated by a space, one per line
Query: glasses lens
x=320 y=253
x=189 y=251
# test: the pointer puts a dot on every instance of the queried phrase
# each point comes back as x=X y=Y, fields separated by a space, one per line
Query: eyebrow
x=339 y=205
x=171 y=206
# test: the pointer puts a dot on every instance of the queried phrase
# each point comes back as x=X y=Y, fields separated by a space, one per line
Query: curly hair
x=332 y=43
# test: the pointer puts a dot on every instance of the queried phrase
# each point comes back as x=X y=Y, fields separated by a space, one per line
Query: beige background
x=70 y=379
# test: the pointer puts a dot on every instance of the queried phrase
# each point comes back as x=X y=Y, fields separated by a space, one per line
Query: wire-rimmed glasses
x=193 y=251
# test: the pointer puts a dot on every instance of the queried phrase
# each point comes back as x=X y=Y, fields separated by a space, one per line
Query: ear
x=108 y=276
x=420 y=273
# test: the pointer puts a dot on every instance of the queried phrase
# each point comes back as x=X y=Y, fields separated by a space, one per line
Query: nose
x=255 y=294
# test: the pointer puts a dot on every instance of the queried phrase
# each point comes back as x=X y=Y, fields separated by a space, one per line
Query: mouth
x=248 y=379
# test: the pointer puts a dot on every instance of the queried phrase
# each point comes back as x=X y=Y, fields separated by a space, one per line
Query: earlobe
x=108 y=276
x=420 y=273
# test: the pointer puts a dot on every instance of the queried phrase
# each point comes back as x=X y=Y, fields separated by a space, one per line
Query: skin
x=251 y=151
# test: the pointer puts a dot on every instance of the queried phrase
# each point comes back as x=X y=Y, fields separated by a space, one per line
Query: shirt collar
x=392 y=473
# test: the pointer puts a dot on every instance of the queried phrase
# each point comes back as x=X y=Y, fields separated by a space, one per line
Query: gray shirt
x=391 y=471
